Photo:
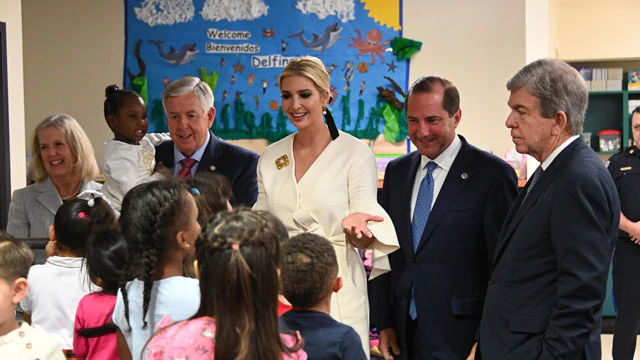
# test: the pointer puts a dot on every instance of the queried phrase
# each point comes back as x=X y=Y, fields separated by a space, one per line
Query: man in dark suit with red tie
x=545 y=294
x=447 y=201
x=188 y=103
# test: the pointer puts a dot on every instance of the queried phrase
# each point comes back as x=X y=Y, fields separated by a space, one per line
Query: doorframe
x=5 y=156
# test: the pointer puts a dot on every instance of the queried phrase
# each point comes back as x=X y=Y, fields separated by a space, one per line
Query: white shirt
x=197 y=156
x=443 y=162
x=545 y=164
x=55 y=289
x=27 y=343
x=127 y=165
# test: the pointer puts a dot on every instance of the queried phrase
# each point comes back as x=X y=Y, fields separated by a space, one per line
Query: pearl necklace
x=74 y=194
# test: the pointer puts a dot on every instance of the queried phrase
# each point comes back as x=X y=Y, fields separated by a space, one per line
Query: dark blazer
x=236 y=163
x=545 y=295
x=450 y=269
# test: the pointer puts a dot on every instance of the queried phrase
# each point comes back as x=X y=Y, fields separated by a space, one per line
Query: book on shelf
x=586 y=72
x=634 y=79
x=633 y=104
x=614 y=79
x=598 y=85
x=602 y=79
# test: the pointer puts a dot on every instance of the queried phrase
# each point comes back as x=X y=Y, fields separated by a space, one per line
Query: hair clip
x=235 y=246
x=195 y=191
x=91 y=202
x=83 y=215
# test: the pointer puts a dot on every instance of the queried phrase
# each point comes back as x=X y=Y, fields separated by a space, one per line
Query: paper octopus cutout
x=371 y=45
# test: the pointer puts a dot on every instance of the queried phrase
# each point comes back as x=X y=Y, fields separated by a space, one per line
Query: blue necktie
x=420 y=217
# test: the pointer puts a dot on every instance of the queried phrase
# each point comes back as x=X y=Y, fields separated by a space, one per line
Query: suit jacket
x=450 y=269
x=545 y=295
x=34 y=207
x=236 y=163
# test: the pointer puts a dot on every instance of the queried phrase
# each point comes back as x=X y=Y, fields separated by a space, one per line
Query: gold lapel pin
x=212 y=168
x=464 y=176
x=626 y=168
x=282 y=162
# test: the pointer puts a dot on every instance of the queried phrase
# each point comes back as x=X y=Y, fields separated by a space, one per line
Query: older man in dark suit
x=545 y=294
x=447 y=201
x=188 y=103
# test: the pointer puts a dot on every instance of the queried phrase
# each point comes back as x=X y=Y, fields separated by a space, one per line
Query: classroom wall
x=463 y=40
x=596 y=29
x=478 y=45
x=11 y=15
x=67 y=69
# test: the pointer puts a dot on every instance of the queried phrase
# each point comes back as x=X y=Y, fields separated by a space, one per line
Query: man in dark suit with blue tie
x=447 y=201
x=545 y=294
x=188 y=103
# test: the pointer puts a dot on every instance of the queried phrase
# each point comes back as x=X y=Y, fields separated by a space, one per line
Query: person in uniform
x=625 y=169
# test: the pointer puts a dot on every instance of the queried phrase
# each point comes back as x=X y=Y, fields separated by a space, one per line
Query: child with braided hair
x=56 y=287
x=237 y=257
x=159 y=221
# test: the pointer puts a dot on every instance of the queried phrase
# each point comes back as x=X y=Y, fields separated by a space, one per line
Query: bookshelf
x=610 y=109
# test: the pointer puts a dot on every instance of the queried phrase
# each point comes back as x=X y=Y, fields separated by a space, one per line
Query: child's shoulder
x=181 y=281
x=98 y=298
x=178 y=290
x=30 y=342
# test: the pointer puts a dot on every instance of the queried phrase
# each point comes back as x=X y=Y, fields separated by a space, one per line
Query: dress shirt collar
x=178 y=156
x=545 y=164
x=448 y=156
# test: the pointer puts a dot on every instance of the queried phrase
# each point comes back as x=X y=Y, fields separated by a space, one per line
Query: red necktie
x=185 y=172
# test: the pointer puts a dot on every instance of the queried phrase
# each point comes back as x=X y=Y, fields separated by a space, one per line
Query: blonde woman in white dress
x=324 y=181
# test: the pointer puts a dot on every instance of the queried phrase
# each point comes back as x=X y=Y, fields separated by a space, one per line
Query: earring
x=324 y=111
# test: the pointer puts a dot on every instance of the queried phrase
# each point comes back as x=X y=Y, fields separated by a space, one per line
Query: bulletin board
x=239 y=48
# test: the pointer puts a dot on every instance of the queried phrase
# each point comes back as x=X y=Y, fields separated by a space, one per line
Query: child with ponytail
x=237 y=258
x=94 y=335
x=159 y=221
x=56 y=287
x=129 y=158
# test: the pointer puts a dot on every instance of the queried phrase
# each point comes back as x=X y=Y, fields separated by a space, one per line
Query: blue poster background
x=356 y=53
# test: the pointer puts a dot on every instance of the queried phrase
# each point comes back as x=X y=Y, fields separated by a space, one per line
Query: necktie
x=185 y=172
x=423 y=205
x=534 y=179
x=420 y=217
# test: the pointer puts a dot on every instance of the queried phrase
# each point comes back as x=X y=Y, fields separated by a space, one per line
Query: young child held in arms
x=309 y=275
x=19 y=341
x=159 y=221
x=237 y=264
x=56 y=287
x=129 y=158
x=94 y=335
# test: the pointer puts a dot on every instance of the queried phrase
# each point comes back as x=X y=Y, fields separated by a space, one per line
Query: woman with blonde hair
x=324 y=181
x=64 y=166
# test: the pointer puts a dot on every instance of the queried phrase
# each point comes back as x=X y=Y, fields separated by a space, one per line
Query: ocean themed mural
x=239 y=48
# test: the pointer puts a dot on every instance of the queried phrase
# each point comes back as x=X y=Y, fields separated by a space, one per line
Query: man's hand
x=472 y=354
x=634 y=232
x=388 y=343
